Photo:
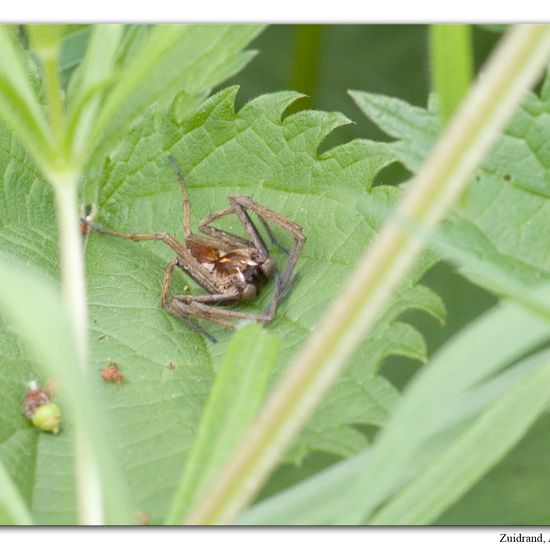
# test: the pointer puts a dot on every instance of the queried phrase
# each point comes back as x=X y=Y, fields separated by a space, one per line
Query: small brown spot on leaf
x=111 y=373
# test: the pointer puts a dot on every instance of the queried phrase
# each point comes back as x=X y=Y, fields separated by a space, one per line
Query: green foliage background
x=318 y=170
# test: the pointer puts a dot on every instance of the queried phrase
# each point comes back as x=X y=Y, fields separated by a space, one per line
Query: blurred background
x=324 y=62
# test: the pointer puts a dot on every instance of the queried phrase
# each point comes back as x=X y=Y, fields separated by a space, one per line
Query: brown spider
x=230 y=268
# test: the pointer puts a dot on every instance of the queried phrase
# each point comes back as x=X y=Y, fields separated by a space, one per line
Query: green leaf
x=512 y=492
x=254 y=153
x=193 y=58
x=236 y=396
x=34 y=311
x=484 y=443
x=482 y=348
x=96 y=68
x=451 y=63
x=13 y=508
x=504 y=215
x=45 y=39
x=73 y=49
x=20 y=108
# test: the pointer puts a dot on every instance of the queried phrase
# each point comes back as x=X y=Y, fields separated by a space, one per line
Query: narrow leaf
x=437 y=399
x=485 y=346
x=13 y=509
x=97 y=67
x=481 y=446
x=20 y=108
x=236 y=395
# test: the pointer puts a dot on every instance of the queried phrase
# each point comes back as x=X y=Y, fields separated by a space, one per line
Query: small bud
x=47 y=417
x=111 y=373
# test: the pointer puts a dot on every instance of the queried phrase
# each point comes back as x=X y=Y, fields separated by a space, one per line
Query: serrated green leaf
x=193 y=58
x=253 y=152
x=504 y=215
x=237 y=393
x=421 y=297
x=405 y=340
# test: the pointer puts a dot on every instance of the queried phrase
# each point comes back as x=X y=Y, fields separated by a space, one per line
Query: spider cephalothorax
x=230 y=268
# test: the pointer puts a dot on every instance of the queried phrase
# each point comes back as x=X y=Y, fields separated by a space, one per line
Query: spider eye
x=249 y=292
x=269 y=267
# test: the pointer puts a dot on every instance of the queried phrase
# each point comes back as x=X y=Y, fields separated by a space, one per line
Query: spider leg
x=231 y=238
x=280 y=293
x=182 y=316
x=216 y=313
x=255 y=237
x=167 y=302
x=185 y=197
x=185 y=260
x=183 y=311
x=272 y=238
x=209 y=306
x=156 y=236
x=208 y=298
x=243 y=203
x=205 y=306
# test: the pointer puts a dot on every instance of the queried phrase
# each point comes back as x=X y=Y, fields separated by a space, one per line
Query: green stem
x=53 y=94
x=305 y=68
x=510 y=72
x=451 y=63
x=90 y=501
x=72 y=262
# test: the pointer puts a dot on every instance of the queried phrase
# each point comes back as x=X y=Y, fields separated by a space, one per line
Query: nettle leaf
x=169 y=367
x=504 y=216
x=255 y=152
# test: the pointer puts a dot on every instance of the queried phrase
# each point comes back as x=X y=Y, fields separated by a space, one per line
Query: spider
x=228 y=267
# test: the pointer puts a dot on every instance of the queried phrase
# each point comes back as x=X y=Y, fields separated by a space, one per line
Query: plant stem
x=64 y=177
x=72 y=262
x=53 y=95
x=90 y=501
x=451 y=63
x=305 y=68
x=510 y=72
